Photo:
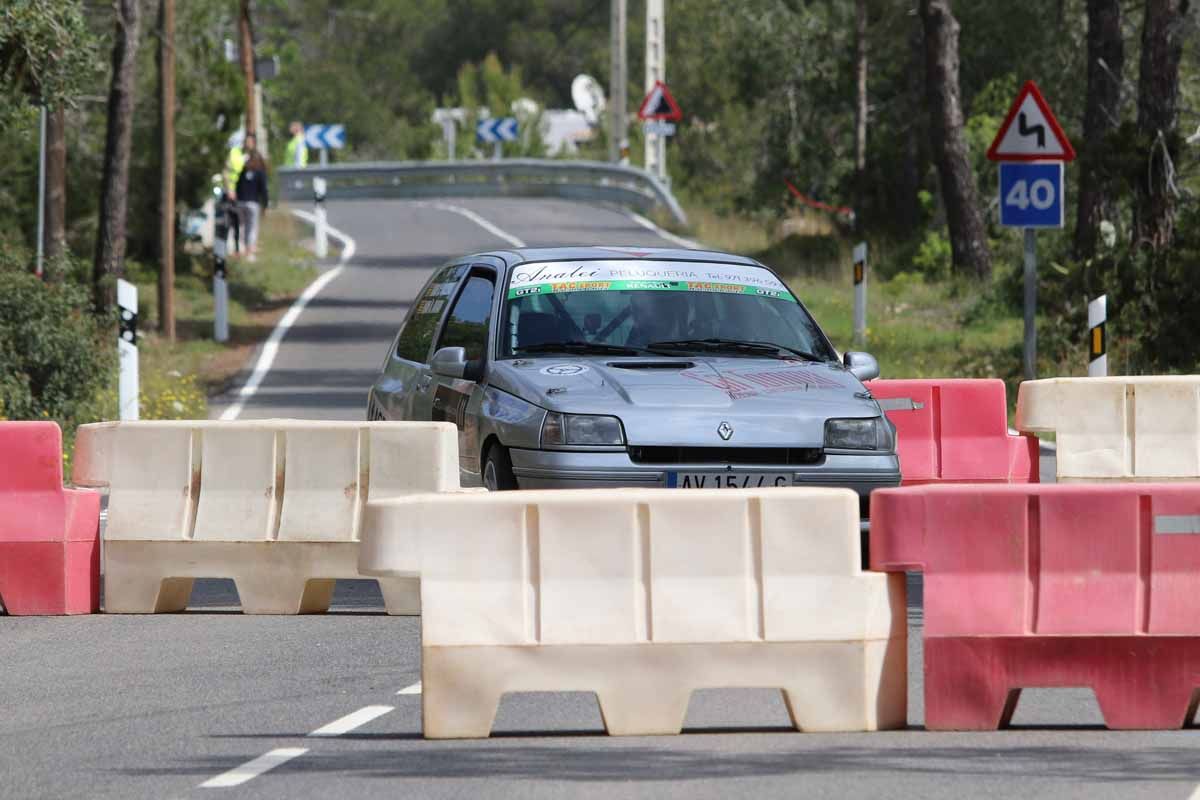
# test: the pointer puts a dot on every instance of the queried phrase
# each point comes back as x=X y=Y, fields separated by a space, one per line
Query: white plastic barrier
x=643 y=596
x=1121 y=428
x=275 y=505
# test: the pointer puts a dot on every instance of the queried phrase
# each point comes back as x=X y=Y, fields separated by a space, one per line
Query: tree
x=1102 y=114
x=1158 y=113
x=56 y=183
x=246 y=48
x=166 y=110
x=968 y=240
x=860 y=103
x=110 y=235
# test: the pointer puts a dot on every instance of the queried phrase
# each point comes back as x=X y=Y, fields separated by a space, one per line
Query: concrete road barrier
x=643 y=596
x=49 y=546
x=1051 y=586
x=955 y=431
x=1123 y=428
x=275 y=505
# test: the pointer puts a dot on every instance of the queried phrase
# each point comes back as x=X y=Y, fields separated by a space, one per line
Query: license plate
x=727 y=480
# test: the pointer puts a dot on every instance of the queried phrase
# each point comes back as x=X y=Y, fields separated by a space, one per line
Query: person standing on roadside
x=297 y=148
x=234 y=163
x=251 y=191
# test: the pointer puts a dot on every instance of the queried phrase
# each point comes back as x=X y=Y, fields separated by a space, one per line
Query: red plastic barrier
x=955 y=430
x=1051 y=585
x=49 y=536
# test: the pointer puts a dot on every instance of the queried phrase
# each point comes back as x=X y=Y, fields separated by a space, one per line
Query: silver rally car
x=603 y=367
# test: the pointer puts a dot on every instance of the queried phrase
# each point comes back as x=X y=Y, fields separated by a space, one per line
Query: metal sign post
x=659 y=112
x=1031 y=148
x=127 y=350
x=860 y=293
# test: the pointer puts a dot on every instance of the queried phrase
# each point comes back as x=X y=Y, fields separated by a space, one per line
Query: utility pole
x=656 y=70
x=56 y=183
x=618 y=145
x=246 y=48
x=166 y=239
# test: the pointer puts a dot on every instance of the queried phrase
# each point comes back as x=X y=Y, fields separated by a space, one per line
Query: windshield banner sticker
x=604 y=276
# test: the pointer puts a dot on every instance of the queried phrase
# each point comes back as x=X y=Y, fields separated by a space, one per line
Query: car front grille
x=724 y=455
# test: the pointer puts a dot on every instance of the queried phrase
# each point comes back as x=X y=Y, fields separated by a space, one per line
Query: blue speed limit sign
x=1031 y=194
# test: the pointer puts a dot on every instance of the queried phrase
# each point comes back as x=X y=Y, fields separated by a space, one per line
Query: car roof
x=526 y=255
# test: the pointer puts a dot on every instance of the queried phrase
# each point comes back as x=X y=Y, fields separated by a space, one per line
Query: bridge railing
x=517 y=177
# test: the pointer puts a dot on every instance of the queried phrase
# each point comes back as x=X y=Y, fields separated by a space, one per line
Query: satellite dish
x=588 y=97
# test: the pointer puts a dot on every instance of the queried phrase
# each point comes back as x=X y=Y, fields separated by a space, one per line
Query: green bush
x=55 y=356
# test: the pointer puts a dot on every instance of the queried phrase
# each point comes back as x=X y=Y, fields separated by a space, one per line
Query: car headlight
x=873 y=433
x=581 y=429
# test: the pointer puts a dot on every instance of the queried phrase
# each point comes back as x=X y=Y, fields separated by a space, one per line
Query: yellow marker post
x=1098 y=337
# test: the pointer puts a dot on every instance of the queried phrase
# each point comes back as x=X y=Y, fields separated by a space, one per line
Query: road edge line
x=649 y=225
x=490 y=227
x=270 y=348
x=351 y=721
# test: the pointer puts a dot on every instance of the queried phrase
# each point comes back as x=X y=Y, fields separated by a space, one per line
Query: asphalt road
x=155 y=707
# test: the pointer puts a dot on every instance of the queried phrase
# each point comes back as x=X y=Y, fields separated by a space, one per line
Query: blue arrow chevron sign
x=325 y=137
x=499 y=129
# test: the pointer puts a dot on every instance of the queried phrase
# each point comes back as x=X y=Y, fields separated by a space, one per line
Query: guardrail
x=516 y=177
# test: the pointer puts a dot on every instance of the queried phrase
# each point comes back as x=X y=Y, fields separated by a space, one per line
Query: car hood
x=683 y=401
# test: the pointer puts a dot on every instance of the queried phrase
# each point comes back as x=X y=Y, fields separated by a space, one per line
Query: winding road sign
x=1030 y=132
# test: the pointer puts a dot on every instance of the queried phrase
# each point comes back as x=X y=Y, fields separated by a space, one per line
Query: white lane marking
x=271 y=347
x=414 y=689
x=665 y=234
x=352 y=721
x=252 y=769
x=478 y=220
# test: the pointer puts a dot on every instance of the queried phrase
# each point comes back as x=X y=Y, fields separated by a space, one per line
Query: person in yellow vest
x=297 y=148
x=234 y=163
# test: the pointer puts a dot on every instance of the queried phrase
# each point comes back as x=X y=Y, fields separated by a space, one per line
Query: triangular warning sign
x=1030 y=132
x=659 y=104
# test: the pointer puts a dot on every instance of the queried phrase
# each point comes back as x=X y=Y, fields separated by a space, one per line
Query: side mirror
x=861 y=365
x=450 y=362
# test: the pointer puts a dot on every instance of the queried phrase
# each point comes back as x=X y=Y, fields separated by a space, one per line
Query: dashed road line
x=252 y=769
x=495 y=230
x=352 y=721
x=414 y=689
x=270 y=348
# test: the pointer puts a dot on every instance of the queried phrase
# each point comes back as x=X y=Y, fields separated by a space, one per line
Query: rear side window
x=467 y=325
x=422 y=320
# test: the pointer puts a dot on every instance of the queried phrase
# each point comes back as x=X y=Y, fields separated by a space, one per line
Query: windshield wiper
x=736 y=345
x=598 y=348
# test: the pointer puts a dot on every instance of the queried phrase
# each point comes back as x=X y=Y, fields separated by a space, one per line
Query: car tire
x=497 y=470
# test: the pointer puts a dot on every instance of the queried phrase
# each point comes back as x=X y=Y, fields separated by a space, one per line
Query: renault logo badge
x=725 y=430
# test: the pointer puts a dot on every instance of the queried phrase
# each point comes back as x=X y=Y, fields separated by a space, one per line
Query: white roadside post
x=1098 y=337
x=320 y=226
x=220 y=286
x=860 y=293
x=127 y=351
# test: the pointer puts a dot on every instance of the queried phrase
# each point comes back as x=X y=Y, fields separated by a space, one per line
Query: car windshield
x=665 y=308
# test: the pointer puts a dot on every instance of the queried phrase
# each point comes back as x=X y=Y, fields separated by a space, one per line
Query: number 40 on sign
x=1031 y=194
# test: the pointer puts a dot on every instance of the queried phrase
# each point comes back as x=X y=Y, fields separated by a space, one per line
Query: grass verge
x=177 y=377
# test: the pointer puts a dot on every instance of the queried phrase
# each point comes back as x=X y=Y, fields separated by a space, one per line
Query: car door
x=466 y=326
x=407 y=374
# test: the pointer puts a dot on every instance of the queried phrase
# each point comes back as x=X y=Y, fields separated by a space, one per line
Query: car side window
x=467 y=325
x=423 y=317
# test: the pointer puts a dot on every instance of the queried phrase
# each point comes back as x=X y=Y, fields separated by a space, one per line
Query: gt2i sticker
x=564 y=369
x=616 y=276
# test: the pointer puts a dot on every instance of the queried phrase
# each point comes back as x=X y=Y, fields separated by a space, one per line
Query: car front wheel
x=497 y=470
